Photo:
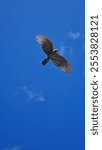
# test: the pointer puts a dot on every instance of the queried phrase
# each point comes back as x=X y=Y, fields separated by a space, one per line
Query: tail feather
x=45 y=61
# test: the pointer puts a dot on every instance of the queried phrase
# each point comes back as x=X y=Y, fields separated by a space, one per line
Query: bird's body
x=51 y=53
x=49 y=56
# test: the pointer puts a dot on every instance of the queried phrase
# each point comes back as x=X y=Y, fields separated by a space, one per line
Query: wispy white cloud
x=32 y=93
x=73 y=35
x=66 y=50
x=17 y=147
x=62 y=49
x=70 y=51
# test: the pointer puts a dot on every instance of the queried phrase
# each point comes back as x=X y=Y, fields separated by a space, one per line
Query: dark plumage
x=58 y=60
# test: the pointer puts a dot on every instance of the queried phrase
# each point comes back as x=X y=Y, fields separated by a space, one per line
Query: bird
x=52 y=54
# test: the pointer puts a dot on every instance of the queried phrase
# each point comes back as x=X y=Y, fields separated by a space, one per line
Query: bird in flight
x=52 y=55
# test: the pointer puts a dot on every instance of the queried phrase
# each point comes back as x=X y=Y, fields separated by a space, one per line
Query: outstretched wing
x=45 y=43
x=60 y=62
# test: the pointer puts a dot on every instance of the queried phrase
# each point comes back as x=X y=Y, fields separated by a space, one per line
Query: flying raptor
x=52 y=55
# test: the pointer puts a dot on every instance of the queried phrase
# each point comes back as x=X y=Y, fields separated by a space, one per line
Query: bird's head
x=55 y=50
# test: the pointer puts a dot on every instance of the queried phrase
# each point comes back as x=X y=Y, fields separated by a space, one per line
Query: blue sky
x=41 y=107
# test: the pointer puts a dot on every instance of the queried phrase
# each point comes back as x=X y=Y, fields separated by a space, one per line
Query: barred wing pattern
x=45 y=43
x=60 y=62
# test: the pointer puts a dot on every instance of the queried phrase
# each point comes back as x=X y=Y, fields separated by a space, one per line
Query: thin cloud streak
x=62 y=50
x=73 y=35
x=66 y=50
x=17 y=147
x=32 y=93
